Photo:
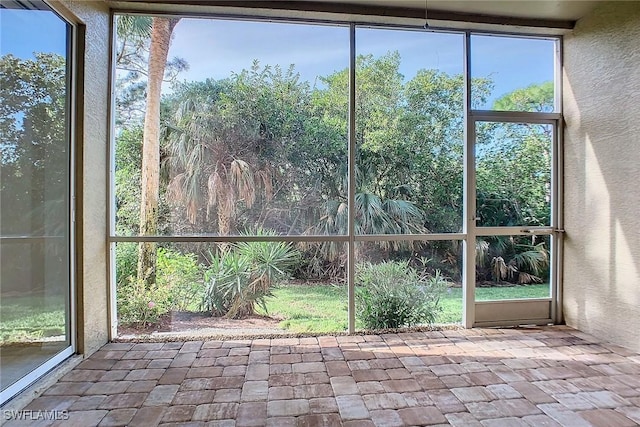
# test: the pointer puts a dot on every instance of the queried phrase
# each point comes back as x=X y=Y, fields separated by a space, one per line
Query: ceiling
x=535 y=16
x=563 y=10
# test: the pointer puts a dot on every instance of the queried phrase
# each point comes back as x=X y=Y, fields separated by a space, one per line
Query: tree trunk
x=161 y=29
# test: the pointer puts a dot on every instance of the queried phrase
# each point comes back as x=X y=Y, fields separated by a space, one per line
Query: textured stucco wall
x=602 y=174
x=91 y=173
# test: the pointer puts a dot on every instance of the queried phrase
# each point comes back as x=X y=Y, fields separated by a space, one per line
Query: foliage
x=514 y=259
x=181 y=275
x=244 y=275
x=141 y=304
x=126 y=262
x=392 y=295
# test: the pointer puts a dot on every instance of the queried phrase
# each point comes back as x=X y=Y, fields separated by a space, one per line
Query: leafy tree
x=33 y=157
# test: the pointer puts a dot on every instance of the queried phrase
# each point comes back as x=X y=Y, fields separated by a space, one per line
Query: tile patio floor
x=482 y=377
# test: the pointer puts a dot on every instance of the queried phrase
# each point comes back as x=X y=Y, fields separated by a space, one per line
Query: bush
x=244 y=276
x=126 y=262
x=182 y=276
x=141 y=305
x=393 y=295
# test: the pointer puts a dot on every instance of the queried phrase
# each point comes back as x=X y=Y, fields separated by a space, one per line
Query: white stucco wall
x=91 y=174
x=601 y=87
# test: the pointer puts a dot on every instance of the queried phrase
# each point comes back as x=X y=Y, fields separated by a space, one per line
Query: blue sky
x=215 y=48
x=23 y=32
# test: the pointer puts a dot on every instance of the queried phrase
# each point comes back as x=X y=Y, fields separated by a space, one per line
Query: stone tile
x=178 y=413
x=503 y=391
x=337 y=368
x=125 y=400
x=399 y=373
x=323 y=405
x=319 y=420
x=606 y=418
x=384 y=401
x=144 y=374
x=116 y=375
x=234 y=371
x=358 y=423
x=386 y=418
x=159 y=364
x=504 y=422
x=287 y=408
x=532 y=393
x=400 y=386
x=289 y=379
x=370 y=375
x=88 y=375
x=227 y=395
x=83 y=418
x=173 y=376
x=631 y=412
x=70 y=389
x=280 y=393
x=604 y=399
x=446 y=401
x=282 y=422
x=129 y=365
x=516 y=407
x=161 y=354
x=215 y=411
x=190 y=384
x=352 y=407
x=308 y=391
x=251 y=414
x=473 y=394
x=183 y=360
x=422 y=416
x=161 y=395
x=369 y=387
x=52 y=403
x=99 y=364
x=540 y=421
x=142 y=386
x=462 y=419
x=227 y=382
x=191 y=347
x=563 y=416
x=108 y=387
x=305 y=367
x=118 y=417
x=257 y=372
x=197 y=397
x=253 y=391
x=87 y=403
x=343 y=386
x=316 y=378
x=232 y=361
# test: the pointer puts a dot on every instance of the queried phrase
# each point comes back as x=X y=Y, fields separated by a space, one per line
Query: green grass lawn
x=323 y=308
x=29 y=318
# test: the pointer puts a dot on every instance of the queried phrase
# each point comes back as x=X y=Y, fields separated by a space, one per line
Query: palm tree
x=216 y=164
x=161 y=30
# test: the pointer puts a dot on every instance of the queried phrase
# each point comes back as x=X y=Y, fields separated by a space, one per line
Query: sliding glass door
x=35 y=204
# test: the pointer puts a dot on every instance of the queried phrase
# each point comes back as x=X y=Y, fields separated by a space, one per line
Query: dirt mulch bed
x=190 y=324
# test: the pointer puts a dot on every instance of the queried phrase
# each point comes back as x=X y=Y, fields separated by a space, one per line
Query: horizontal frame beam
x=315 y=238
x=355 y=10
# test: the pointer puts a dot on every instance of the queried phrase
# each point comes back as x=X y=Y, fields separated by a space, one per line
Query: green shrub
x=182 y=276
x=141 y=305
x=245 y=275
x=126 y=261
x=393 y=295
